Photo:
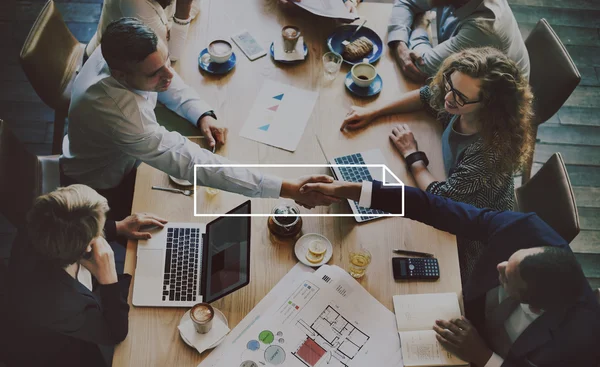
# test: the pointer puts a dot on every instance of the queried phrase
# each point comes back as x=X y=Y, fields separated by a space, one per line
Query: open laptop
x=358 y=174
x=187 y=263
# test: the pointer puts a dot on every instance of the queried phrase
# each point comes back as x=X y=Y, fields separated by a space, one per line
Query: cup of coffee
x=363 y=74
x=202 y=315
x=290 y=36
x=220 y=51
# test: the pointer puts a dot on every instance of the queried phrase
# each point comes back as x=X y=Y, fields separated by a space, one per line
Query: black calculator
x=415 y=268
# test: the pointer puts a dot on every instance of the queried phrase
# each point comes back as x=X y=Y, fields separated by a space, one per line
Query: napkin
x=281 y=55
x=203 y=341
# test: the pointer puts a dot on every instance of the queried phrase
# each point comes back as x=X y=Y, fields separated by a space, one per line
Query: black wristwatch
x=414 y=157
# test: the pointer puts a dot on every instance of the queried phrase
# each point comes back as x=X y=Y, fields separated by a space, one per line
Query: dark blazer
x=570 y=337
x=53 y=320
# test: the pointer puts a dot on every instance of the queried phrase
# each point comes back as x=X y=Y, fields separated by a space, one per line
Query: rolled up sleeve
x=401 y=20
x=183 y=100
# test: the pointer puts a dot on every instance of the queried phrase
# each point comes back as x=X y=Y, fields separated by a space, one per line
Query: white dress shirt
x=112 y=129
x=152 y=14
x=516 y=323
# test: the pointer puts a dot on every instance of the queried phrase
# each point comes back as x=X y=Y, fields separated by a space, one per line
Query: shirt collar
x=467 y=9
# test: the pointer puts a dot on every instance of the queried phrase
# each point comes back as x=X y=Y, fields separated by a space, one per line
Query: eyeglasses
x=459 y=98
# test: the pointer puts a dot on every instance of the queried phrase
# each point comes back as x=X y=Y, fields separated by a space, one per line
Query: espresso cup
x=363 y=74
x=202 y=315
x=220 y=51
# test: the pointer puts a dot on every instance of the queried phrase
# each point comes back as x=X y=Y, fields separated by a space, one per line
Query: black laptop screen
x=226 y=262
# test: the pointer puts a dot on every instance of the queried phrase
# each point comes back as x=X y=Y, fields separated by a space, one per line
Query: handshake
x=319 y=190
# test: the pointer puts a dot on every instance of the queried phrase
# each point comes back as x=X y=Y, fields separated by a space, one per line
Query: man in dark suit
x=527 y=302
x=67 y=296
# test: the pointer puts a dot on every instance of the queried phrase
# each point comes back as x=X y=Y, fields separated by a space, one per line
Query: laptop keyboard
x=357 y=174
x=181 y=264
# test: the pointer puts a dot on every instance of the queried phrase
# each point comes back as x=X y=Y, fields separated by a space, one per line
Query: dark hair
x=553 y=278
x=506 y=98
x=126 y=42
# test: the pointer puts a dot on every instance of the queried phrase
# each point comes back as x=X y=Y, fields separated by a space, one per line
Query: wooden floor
x=574 y=131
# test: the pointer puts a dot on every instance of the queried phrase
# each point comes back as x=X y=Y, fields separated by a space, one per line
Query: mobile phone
x=417 y=268
x=249 y=45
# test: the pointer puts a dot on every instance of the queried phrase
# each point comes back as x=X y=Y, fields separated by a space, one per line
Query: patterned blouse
x=473 y=181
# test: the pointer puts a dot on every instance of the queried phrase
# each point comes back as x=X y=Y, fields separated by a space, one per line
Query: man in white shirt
x=527 y=301
x=113 y=128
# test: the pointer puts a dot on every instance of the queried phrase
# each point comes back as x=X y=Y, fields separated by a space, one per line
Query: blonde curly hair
x=505 y=117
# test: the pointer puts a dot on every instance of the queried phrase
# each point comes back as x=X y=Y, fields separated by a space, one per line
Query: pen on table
x=415 y=253
x=214 y=148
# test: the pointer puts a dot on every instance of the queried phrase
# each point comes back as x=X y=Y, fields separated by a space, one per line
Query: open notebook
x=415 y=317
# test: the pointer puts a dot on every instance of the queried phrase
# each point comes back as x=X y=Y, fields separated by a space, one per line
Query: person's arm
x=176 y=155
x=469 y=35
x=181 y=23
x=184 y=101
x=147 y=13
x=359 y=117
x=402 y=17
x=469 y=178
x=107 y=324
x=444 y=214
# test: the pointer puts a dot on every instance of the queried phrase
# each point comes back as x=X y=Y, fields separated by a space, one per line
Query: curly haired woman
x=485 y=103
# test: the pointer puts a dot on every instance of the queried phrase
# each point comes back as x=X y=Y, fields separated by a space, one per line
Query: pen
x=415 y=253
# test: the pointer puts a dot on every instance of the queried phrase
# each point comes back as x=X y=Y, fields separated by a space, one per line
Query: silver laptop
x=358 y=174
x=187 y=263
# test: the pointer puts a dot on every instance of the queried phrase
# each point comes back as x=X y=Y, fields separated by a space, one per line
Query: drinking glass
x=359 y=262
x=332 y=62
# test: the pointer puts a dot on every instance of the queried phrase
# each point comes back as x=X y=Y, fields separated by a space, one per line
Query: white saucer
x=301 y=249
x=218 y=313
x=180 y=181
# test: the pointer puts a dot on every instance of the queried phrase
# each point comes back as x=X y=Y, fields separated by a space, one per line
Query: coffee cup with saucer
x=363 y=80
x=218 y=314
x=217 y=58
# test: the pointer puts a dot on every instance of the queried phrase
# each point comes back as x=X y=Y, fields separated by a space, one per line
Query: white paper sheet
x=279 y=115
x=328 y=8
x=325 y=319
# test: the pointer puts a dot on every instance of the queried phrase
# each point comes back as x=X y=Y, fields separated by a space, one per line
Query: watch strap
x=416 y=156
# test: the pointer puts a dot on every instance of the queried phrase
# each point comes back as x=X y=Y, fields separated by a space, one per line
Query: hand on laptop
x=338 y=189
x=136 y=225
x=358 y=117
x=101 y=263
x=291 y=190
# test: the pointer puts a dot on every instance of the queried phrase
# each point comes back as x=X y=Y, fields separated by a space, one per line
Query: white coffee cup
x=363 y=74
x=220 y=51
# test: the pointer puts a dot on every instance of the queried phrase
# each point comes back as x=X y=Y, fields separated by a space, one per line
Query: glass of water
x=332 y=62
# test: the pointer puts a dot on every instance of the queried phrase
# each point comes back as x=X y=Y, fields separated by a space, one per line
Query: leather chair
x=549 y=194
x=553 y=76
x=23 y=176
x=51 y=58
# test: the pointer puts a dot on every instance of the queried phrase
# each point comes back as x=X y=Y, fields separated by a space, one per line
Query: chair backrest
x=50 y=57
x=19 y=177
x=549 y=194
x=554 y=75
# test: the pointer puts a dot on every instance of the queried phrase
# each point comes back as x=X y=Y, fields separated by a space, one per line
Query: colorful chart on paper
x=279 y=115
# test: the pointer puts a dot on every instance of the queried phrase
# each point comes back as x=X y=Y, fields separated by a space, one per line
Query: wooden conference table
x=153 y=338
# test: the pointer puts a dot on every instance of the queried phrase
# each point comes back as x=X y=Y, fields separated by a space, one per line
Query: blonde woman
x=67 y=291
x=485 y=104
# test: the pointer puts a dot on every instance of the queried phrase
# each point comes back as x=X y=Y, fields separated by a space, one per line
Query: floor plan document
x=319 y=319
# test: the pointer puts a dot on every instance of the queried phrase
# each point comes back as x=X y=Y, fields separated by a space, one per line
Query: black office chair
x=553 y=76
x=549 y=194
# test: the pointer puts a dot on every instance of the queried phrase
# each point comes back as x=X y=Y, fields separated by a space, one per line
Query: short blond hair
x=64 y=222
